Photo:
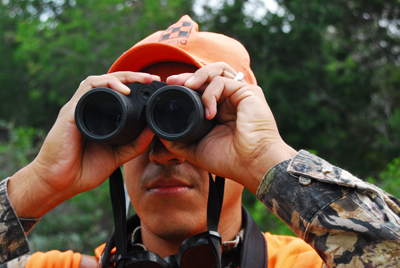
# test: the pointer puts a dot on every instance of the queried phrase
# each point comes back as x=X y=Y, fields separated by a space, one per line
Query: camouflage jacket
x=13 y=230
x=349 y=222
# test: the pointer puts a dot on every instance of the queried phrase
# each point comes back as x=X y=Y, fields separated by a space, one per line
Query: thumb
x=137 y=147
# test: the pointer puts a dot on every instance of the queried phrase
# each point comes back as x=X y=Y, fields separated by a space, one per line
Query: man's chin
x=177 y=234
x=175 y=228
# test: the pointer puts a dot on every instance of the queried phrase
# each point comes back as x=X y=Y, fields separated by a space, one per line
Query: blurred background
x=330 y=71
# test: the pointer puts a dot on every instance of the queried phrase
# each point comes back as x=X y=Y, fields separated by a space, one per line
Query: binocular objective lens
x=174 y=112
x=102 y=115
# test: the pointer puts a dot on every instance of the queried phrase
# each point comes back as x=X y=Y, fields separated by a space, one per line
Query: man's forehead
x=166 y=69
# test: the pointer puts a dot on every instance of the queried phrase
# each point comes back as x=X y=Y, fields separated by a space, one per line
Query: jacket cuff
x=14 y=242
x=297 y=199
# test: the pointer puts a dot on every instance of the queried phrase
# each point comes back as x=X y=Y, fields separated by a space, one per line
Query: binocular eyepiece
x=174 y=113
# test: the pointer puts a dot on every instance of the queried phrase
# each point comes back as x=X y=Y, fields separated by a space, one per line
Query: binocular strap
x=214 y=208
x=118 y=205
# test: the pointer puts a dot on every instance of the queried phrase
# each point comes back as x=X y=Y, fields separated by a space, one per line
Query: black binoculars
x=174 y=113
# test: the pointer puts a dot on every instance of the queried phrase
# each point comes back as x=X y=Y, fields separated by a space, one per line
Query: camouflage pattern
x=349 y=222
x=13 y=241
x=20 y=262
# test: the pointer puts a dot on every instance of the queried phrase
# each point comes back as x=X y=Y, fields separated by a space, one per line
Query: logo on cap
x=180 y=30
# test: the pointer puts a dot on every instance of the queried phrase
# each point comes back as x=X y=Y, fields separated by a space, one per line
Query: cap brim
x=139 y=57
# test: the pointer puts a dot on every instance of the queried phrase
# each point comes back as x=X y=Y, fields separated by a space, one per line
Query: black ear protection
x=203 y=250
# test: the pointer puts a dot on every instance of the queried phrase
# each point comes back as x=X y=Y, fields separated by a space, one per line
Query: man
x=348 y=222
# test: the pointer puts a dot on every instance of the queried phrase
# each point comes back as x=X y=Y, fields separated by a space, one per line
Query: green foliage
x=80 y=224
x=13 y=76
x=18 y=147
x=389 y=178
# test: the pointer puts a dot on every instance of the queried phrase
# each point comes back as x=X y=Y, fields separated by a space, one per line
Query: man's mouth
x=169 y=190
x=169 y=187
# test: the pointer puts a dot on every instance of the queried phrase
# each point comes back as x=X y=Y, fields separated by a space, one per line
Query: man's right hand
x=69 y=164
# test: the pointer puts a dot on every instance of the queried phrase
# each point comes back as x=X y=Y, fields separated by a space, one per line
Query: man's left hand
x=246 y=143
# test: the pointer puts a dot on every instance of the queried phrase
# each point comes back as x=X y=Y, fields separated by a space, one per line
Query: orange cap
x=182 y=42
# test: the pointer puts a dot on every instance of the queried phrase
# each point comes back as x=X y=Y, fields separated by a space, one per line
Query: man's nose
x=160 y=155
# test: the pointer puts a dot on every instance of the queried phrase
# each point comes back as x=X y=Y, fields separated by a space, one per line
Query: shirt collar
x=136 y=240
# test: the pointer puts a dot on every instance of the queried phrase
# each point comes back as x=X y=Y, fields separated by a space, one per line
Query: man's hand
x=68 y=164
x=246 y=142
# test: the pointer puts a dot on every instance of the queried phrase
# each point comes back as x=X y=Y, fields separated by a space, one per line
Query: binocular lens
x=102 y=115
x=174 y=112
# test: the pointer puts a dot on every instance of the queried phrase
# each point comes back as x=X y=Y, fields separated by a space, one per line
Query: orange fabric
x=99 y=250
x=182 y=42
x=54 y=259
x=290 y=251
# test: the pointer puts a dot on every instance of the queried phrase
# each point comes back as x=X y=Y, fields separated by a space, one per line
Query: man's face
x=170 y=194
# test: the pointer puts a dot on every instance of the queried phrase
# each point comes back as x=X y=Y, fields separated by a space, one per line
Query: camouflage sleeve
x=349 y=222
x=13 y=231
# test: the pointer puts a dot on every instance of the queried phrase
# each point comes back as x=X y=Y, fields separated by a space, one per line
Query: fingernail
x=155 y=77
x=126 y=90
x=189 y=82
x=207 y=113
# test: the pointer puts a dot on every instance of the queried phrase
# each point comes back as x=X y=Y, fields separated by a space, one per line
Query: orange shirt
x=289 y=251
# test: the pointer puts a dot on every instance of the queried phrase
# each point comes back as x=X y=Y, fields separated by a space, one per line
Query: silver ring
x=239 y=77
